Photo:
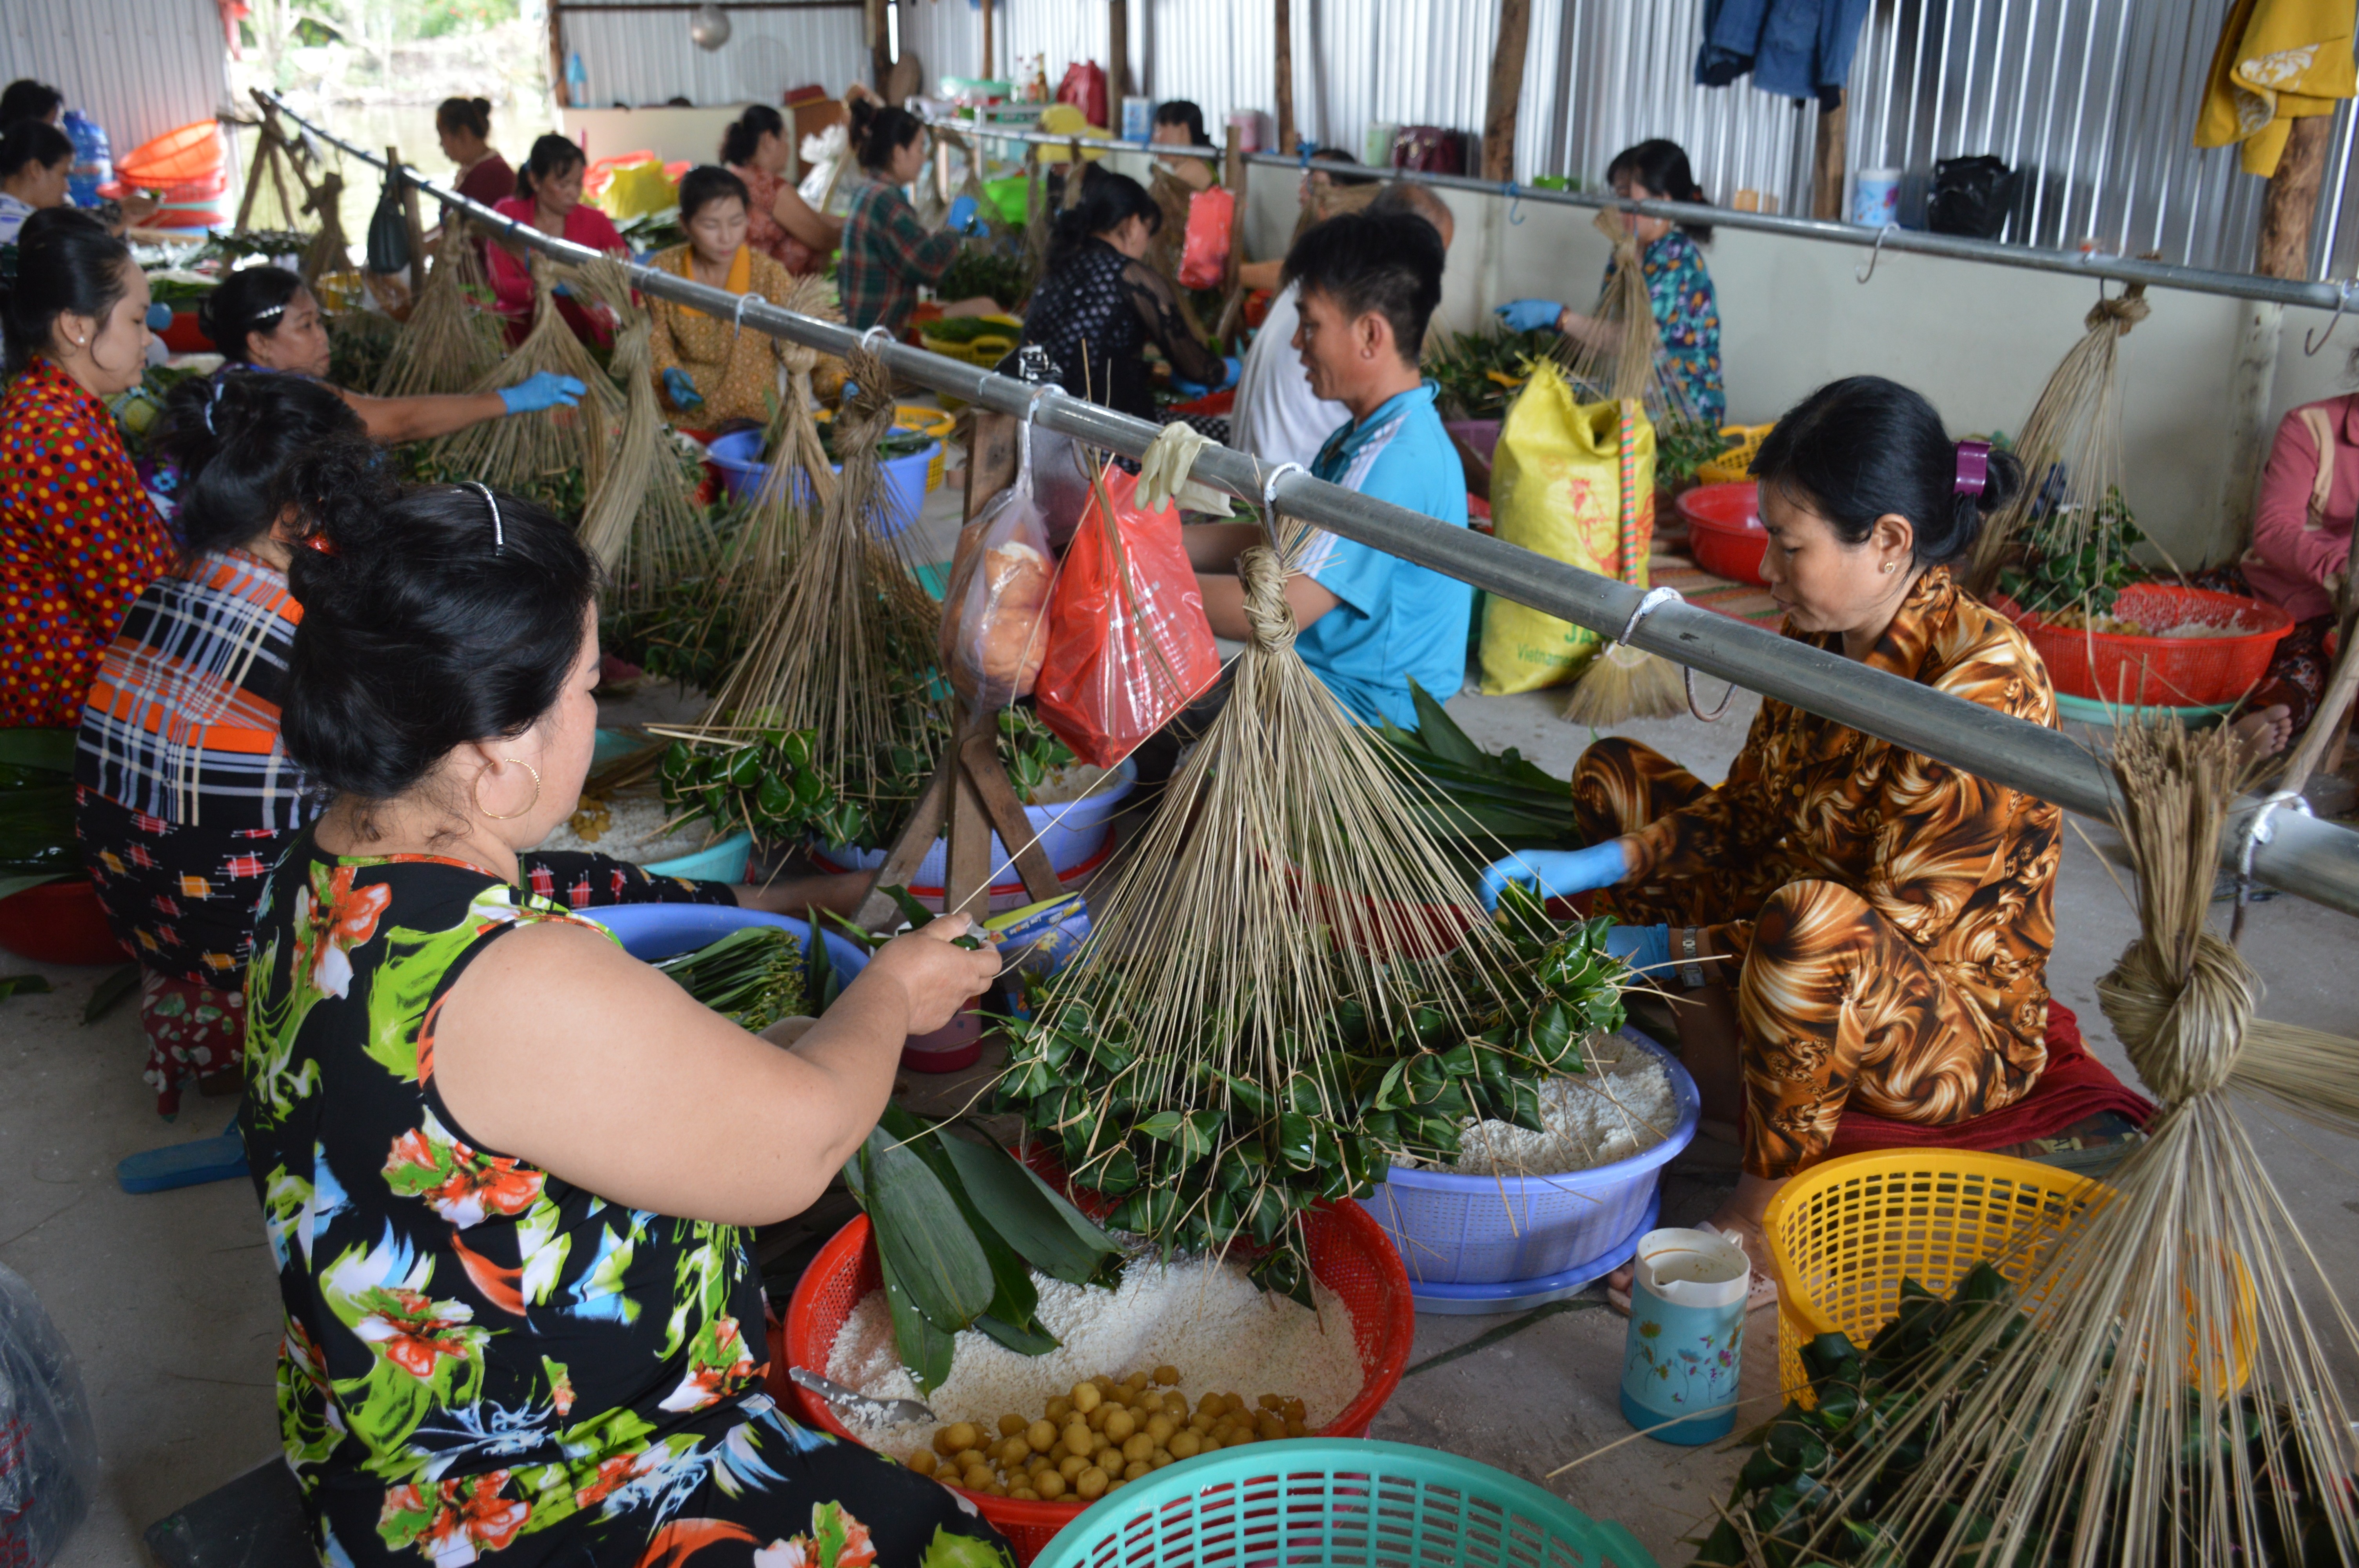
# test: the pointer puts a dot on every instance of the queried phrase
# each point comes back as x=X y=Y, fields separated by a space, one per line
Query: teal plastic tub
x=721 y=861
x=1316 y=1501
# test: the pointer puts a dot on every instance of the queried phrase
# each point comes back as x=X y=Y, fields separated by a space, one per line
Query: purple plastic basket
x=1482 y=1230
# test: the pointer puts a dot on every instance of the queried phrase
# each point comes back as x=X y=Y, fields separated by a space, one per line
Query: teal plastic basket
x=1320 y=1500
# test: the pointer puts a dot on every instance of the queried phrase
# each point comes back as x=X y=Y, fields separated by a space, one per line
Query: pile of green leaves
x=983 y=270
x=1480 y=373
x=2056 y=576
x=967 y=329
x=1207 y=1162
x=1509 y=799
x=37 y=819
x=562 y=494
x=180 y=290
x=228 y=249
x=1806 y=1498
x=359 y=343
x=653 y=231
x=754 y=974
x=1683 y=445
x=960 y=1227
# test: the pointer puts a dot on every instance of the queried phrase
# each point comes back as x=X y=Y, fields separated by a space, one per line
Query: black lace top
x=1096 y=313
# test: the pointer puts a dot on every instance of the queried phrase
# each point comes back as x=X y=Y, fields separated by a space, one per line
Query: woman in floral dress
x=505 y=1170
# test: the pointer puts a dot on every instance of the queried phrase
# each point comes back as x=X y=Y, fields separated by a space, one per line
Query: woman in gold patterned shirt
x=710 y=370
x=1866 y=923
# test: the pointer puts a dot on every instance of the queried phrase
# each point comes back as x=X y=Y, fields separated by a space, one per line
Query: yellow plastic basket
x=1843 y=1235
x=1734 y=466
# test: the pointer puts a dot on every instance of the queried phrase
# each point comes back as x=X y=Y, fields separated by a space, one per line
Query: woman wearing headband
x=507 y=1170
x=78 y=537
x=263 y=318
x=1851 y=922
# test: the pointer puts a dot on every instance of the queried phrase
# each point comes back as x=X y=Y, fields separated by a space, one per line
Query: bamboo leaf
x=1439 y=733
x=923 y=1235
x=1023 y=1340
x=925 y=1350
x=1052 y=1235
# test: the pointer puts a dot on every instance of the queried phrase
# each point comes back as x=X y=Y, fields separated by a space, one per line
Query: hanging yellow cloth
x=2278 y=59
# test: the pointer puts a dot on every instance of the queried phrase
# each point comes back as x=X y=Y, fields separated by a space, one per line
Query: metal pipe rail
x=2077 y=263
x=2314 y=860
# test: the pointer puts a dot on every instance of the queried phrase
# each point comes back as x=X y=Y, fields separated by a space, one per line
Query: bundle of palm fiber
x=643 y=522
x=2163 y=1388
x=841 y=644
x=453 y=339
x=2071 y=446
x=523 y=451
x=328 y=253
x=1620 y=359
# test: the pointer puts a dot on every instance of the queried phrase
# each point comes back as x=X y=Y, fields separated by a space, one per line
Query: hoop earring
x=508 y=817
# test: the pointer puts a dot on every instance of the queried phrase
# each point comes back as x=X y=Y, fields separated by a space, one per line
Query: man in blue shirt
x=1368 y=622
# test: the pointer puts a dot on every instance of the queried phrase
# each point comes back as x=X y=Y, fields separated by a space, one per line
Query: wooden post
x=880 y=46
x=1284 y=22
x=1507 y=90
x=988 y=74
x=1827 y=167
x=1117 y=59
x=413 y=222
x=990 y=461
x=2283 y=251
x=2292 y=201
x=1233 y=164
x=558 y=85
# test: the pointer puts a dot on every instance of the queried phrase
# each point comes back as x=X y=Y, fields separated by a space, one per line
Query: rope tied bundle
x=2182 y=1024
x=1263 y=576
x=2125 y=311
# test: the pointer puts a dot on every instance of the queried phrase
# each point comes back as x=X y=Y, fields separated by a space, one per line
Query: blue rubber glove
x=1529 y=315
x=1236 y=367
x=962 y=214
x=1644 y=947
x=543 y=390
x=159 y=317
x=1189 y=390
x=1558 y=873
x=679 y=389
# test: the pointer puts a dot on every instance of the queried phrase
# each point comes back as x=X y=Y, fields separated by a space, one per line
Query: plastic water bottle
x=93 y=162
x=577 y=80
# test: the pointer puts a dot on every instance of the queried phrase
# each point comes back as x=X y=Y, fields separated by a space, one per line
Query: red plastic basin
x=1724 y=530
x=2170 y=671
x=58 y=922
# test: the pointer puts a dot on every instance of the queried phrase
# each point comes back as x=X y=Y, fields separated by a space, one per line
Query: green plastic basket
x=1320 y=1500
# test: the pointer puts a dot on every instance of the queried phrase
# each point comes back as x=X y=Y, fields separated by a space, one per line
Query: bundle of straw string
x=524 y=448
x=2120 y=1427
x=642 y=522
x=451 y=340
x=2071 y=444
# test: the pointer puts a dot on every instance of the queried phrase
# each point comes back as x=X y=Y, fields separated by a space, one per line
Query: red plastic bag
x=1205 y=259
x=1084 y=88
x=1128 y=643
x=995 y=610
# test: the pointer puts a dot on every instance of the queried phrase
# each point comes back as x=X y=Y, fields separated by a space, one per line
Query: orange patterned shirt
x=1965 y=868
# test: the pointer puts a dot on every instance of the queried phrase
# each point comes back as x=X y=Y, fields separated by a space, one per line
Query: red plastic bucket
x=1724 y=532
x=2171 y=672
x=58 y=922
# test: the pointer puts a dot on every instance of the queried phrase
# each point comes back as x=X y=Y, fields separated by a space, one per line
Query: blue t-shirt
x=1397 y=621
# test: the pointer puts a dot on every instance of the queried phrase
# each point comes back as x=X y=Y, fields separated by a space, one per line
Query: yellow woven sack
x=1556 y=488
x=636 y=189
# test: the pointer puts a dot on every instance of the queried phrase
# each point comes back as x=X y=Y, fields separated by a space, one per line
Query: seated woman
x=708 y=372
x=262 y=317
x=888 y=254
x=78 y=537
x=1099 y=304
x=522 y=1312
x=548 y=197
x=1852 y=921
x=1687 y=311
x=35 y=159
x=779 y=223
x=463 y=126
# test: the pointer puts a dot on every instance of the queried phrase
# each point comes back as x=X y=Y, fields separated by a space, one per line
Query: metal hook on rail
x=1514 y=202
x=2257 y=832
x=2341 y=303
x=737 y=318
x=1863 y=273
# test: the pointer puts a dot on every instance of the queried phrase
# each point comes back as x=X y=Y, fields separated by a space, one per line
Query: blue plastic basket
x=1525 y=1230
x=1316 y=1501
x=653 y=930
x=738 y=456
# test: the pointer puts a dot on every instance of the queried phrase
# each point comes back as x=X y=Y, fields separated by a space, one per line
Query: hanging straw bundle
x=550 y=453
x=643 y=522
x=1621 y=360
x=2072 y=450
x=451 y=340
x=2163 y=1387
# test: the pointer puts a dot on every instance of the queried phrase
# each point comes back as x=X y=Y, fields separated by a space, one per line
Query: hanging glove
x=1529 y=315
x=962 y=214
x=1236 y=367
x=1647 y=949
x=679 y=388
x=1163 y=473
x=544 y=389
x=1558 y=873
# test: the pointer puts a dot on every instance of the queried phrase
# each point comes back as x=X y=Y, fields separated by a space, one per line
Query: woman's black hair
x=1180 y=112
x=25 y=99
x=473 y=115
x=878 y=134
x=248 y=303
x=66 y=263
x=1333 y=156
x=33 y=141
x=1861 y=448
x=707 y=183
x=233 y=438
x=551 y=156
x=1389 y=263
x=1108 y=202
x=432 y=617
x=746 y=133
x=1662 y=166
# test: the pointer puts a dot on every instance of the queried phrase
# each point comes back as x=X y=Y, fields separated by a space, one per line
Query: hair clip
x=211 y=399
x=1974 y=466
x=499 y=535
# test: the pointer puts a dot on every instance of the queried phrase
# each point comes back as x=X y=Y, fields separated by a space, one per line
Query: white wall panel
x=139 y=68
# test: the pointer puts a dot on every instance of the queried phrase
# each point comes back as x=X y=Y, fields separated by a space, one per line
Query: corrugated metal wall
x=638 y=58
x=139 y=68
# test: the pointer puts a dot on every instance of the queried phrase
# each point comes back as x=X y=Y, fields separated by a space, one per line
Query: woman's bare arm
x=392 y=419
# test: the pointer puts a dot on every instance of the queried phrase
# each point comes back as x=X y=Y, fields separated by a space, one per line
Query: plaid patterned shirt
x=886 y=254
x=183 y=721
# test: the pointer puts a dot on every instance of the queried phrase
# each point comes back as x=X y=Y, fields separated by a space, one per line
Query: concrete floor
x=169 y=1303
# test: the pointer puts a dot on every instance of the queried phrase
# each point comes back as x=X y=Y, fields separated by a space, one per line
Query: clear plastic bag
x=48 y=1454
x=995 y=607
x=1060 y=483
